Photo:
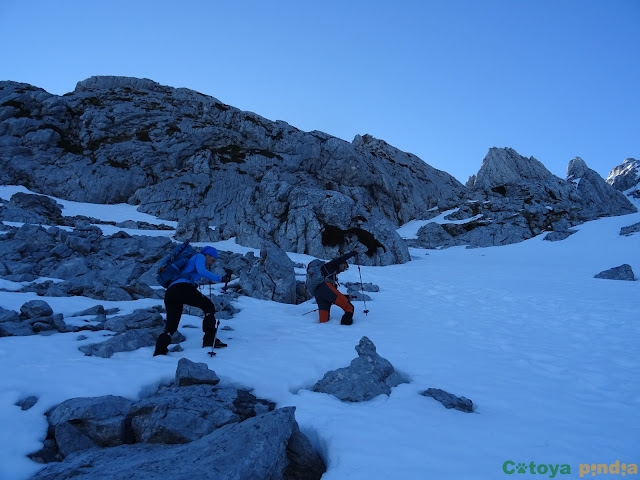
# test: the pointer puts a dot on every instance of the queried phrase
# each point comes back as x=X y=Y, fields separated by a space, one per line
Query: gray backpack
x=314 y=276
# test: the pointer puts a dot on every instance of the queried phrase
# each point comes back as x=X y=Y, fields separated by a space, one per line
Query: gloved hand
x=226 y=278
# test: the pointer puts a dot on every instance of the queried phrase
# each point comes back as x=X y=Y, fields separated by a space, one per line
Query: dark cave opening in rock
x=333 y=236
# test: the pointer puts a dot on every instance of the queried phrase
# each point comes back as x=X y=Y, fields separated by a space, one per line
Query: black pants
x=179 y=295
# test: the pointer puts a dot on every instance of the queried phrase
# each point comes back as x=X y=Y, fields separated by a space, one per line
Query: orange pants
x=326 y=295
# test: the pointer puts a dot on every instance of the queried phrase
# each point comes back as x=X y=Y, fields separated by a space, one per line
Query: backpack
x=314 y=275
x=172 y=266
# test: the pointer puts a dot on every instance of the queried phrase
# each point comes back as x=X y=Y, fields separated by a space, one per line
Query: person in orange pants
x=327 y=293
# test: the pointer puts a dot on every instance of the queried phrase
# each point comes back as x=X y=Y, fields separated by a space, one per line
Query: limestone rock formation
x=179 y=154
x=626 y=177
x=598 y=198
x=516 y=198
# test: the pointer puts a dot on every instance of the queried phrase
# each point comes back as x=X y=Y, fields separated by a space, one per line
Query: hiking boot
x=207 y=343
x=162 y=344
x=347 y=318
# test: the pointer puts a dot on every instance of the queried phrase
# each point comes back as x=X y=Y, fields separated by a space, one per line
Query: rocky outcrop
x=630 y=229
x=272 y=277
x=368 y=376
x=504 y=166
x=36 y=316
x=598 y=198
x=321 y=223
x=516 y=198
x=29 y=208
x=116 y=267
x=218 y=431
x=626 y=177
x=181 y=155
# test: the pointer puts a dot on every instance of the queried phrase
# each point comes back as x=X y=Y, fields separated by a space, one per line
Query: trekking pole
x=362 y=290
x=309 y=312
x=226 y=284
x=215 y=334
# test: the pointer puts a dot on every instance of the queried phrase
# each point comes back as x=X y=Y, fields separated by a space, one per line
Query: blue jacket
x=195 y=270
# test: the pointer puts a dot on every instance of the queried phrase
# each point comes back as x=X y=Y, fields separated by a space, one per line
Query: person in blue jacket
x=184 y=291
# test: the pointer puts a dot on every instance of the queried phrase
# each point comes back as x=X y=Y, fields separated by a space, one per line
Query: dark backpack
x=314 y=276
x=172 y=266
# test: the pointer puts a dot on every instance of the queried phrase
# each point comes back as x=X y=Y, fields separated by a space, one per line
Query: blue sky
x=444 y=80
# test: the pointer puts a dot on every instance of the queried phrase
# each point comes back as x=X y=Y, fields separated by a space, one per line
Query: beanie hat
x=210 y=251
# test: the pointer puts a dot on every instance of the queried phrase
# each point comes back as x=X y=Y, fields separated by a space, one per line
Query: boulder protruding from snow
x=449 y=400
x=272 y=277
x=191 y=373
x=630 y=230
x=368 y=376
x=266 y=446
x=36 y=316
x=623 y=272
x=218 y=431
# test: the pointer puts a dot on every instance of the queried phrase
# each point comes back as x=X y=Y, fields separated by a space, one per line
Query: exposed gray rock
x=116 y=267
x=272 y=278
x=631 y=229
x=516 y=198
x=558 y=236
x=184 y=414
x=140 y=318
x=95 y=310
x=30 y=208
x=241 y=425
x=255 y=448
x=504 y=166
x=15 y=329
x=449 y=400
x=35 y=309
x=319 y=223
x=597 y=196
x=27 y=403
x=9 y=315
x=191 y=373
x=167 y=147
x=197 y=229
x=626 y=177
x=432 y=235
x=35 y=316
x=81 y=423
x=623 y=272
x=368 y=376
x=355 y=290
x=70 y=439
x=127 y=341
